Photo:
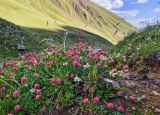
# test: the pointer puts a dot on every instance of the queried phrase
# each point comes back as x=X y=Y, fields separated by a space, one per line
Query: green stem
x=13 y=81
x=7 y=84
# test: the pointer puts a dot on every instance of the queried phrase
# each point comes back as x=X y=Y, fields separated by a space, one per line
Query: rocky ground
x=147 y=87
x=144 y=81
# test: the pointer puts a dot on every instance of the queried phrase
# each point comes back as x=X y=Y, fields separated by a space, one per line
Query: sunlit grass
x=33 y=14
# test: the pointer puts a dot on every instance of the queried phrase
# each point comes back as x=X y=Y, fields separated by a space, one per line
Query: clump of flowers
x=96 y=100
x=120 y=93
x=60 y=79
x=85 y=101
x=110 y=106
x=36 y=75
x=36 y=86
x=132 y=98
x=17 y=108
x=24 y=80
x=16 y=94
x=55 y=81
x=126 y=68
x=121 y=109
x=3 y=89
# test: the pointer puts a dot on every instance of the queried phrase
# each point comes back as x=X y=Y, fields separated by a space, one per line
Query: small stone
x=144 y=78
x=157 y=110
x=113 y=83
x=131 y=77
x=143 y=97
x=124 y=75
x=131 y=84
x=157 y=82
x=158 y=57
x=155 y=93
x=133 y=108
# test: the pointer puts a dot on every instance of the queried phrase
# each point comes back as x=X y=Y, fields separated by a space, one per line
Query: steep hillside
x=40 y=39
x=140 y=49
x=55 y=15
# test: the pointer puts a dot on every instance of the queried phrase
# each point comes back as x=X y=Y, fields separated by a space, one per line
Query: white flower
x=139 y=99
x=32 y=90
x=42 y=53
x=65 y=64
x=86 y=66
x=124 y=58
x=77 y=79
x=114 y=72
x=49 y=53
x=26 y=85
x=19 y=63
x=80 y=57
x=138 y=48
x=122 y=74
x=103 y=58
x=148 y=38
x=118 y=55
x=2 y=77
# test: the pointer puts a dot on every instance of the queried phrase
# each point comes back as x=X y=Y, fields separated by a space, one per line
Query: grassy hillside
x=138 y=46
x=55 y=15
x=35 y=39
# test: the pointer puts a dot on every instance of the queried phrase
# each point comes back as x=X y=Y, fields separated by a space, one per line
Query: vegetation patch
x=63 y=80
x=138 y=46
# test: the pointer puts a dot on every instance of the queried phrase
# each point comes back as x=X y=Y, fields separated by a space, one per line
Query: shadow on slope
x=35 y=39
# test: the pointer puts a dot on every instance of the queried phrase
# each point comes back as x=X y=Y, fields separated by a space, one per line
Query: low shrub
x=59 y=80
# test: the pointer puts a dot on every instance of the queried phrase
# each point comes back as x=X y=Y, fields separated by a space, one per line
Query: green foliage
x=56 y=80
x=105 y=92
x=138 y=46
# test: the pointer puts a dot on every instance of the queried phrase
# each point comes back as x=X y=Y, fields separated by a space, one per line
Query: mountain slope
x=139 y=49
x=40 y=39
x=54 y=15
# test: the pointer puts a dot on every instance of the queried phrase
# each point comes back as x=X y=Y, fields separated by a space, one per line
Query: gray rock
x=124 y=75
x=133 y=108
x=158 y=57
x=143 y=78
x=155 y=93
x=137 y=78
x=157 y=110
x=131 y=77
x=112 y=82
x=51 y=41
x=143 y=97
x=130 y=84
x=157 y=82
